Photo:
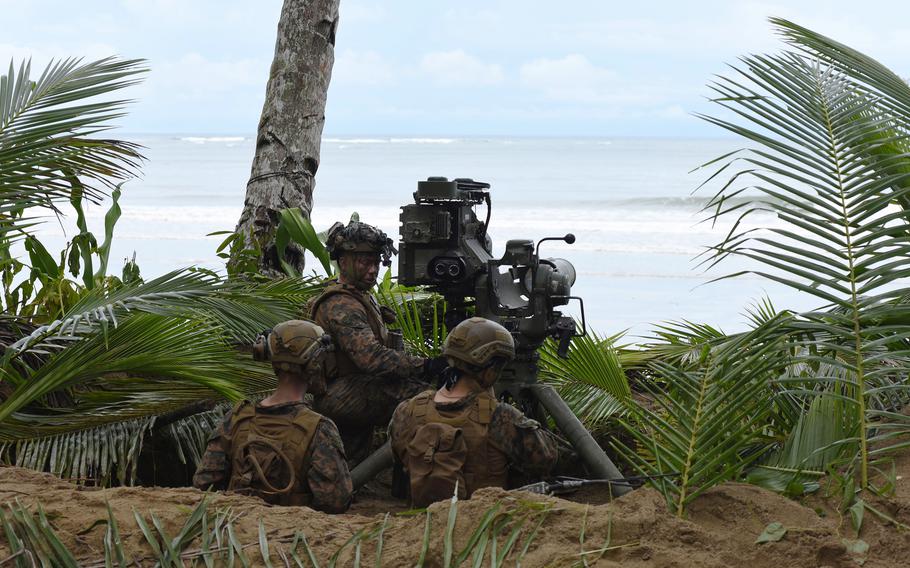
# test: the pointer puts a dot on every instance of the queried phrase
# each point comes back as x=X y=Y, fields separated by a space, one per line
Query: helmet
x=358 y=237
x=294 y=342
x=474 y=343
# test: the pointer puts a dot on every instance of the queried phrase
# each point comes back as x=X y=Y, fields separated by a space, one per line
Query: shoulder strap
x=369 y=305
x=327 y=292
x=242 y=411
x=420 y=404
x=308 y=420
x=485 y=406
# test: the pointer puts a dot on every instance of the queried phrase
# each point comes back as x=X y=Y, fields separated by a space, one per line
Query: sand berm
x=637 y=530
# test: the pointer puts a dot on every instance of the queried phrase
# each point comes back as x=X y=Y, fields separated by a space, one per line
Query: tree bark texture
x=290 y=129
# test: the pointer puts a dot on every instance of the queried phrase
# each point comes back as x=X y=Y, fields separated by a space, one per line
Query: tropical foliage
x=49 y=150
x=800 y=394
x=51 y=156
x=98 y=366
x=591 y=379
x=91 y=368
x=124 y=359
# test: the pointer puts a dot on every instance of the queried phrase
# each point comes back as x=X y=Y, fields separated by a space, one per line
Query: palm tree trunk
x=290 y=129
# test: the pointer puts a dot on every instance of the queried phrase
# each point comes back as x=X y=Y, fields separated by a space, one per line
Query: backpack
x=449 y=450
x=270 y=454
x=435 y=463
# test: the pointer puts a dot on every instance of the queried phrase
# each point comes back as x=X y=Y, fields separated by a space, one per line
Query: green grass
x=503 y=535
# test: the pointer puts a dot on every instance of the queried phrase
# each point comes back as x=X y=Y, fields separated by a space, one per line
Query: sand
x=637 y=530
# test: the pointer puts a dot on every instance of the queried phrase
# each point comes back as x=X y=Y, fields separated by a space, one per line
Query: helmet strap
x=449 y=377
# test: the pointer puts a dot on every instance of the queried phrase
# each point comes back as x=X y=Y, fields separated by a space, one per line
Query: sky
x=444 y=68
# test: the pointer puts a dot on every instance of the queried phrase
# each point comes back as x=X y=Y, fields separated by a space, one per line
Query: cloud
x=41 y=56
x=159 y=9
x=361 y=68
x=672 y=112
x=458 y=68
x=572 y=78
x=360 y=12
x=195 y=77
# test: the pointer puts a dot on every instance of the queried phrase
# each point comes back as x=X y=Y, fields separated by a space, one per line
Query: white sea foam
x=212 y=139
x=389 y=140
x=356 y=140
x=423 y=140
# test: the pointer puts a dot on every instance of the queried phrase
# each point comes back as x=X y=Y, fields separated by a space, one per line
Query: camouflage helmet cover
x=358 y=237
x=294 y=342
x=475 y=342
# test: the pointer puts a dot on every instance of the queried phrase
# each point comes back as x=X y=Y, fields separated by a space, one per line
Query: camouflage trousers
x=357 y=404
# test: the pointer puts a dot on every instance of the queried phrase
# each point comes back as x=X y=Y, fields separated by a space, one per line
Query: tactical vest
x=270 y=454
x=484 y=464
x=344 y=365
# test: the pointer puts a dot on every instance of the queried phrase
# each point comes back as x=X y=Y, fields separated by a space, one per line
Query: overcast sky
x=429 y=67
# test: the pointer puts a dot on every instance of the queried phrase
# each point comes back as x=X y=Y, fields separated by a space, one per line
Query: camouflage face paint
x=359 y=269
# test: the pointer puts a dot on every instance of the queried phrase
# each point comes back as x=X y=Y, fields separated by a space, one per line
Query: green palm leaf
x=817 y=166
x=99 y=438
x=101 y=445
x=418 y=315
x=171 y=337
x=147 y=378
x=241 y=309
x=682 y=344
x=705 y=423
x=144 y=344
x=821 y=437
x=591 y=380
x=48 y=134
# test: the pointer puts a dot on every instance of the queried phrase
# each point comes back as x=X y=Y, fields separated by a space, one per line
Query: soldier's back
x=287 y=454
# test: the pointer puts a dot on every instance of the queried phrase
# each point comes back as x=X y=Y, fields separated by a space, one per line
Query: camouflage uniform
x=327 y=478
x=372 y=377
x=526 y=446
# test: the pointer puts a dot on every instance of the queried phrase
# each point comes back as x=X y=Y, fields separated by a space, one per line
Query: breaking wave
x=212 y=139
x=390 y=140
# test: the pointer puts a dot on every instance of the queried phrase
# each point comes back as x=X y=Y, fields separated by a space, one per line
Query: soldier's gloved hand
x=434 y=368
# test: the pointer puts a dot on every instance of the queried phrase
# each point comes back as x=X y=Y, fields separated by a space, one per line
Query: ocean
x=629 y=202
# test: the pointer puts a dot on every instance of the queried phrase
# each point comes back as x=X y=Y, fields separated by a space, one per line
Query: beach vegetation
x=800 y=394
x=95 y=366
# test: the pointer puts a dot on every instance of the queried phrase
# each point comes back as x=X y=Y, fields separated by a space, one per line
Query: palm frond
x=190 y=434
x=144 y=344
x=48 y=134
x=591 y=380
x=705 y=424
x=413 y=307
x=818 y=167
x=890 y=92
x=100 y=455
x=125 y=357
x=821 y=437
x=99 y=438
x=682 y=343
x=241 y=309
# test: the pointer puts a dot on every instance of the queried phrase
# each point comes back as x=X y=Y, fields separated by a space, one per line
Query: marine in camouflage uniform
x=327 y=479
x=373 y=373
x=497 y=436
x=516 y=441
x=279 y=449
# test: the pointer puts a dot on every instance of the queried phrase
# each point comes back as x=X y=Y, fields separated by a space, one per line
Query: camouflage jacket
x=528 y=447
x=345 y=318
x=328 y=478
